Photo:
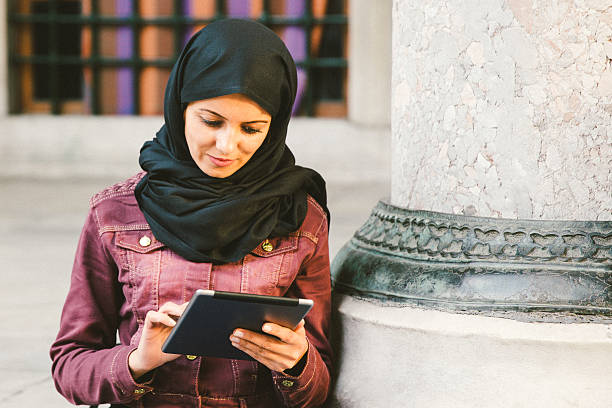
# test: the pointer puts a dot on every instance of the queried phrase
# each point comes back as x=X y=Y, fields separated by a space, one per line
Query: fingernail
x=234 y=339
x=238 y=333
x=266 y=328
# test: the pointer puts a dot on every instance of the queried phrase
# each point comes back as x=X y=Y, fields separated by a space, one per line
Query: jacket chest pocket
x=141 y=256
x=270 y=267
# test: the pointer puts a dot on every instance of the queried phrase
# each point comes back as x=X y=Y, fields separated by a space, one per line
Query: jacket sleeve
x=311 y=386
x=87 y=365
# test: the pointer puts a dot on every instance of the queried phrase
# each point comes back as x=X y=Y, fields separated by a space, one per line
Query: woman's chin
x=217 y=172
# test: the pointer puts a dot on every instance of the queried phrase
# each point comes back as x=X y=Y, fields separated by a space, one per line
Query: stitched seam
x=114 y=228
x=323 y=221
x=95 y=211
x=233 y=398
x=155 y=288
x=185 y=280
x=235 y=373
x=112 y=373
x=209 y=266
x=138 y=248
x=314 y=371
x=98 y=199
x=132 y=268
x=196 y=373
x=275 y=278
x=125 y=187
x=174 y=394
x=244 y=279
x=253 y=386
x=313 y=238
x=317 y=206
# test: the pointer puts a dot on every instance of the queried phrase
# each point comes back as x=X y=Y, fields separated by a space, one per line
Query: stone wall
x=503 y=108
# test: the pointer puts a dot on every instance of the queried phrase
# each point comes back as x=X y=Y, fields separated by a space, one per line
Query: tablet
x=212 y=315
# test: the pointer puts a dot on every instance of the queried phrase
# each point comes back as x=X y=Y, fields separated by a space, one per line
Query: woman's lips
x=220 y=162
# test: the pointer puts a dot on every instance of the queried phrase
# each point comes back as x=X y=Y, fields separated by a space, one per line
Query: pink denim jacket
x=118 y=276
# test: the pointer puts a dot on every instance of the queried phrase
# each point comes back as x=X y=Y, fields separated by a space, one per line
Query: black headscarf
x=220 y=220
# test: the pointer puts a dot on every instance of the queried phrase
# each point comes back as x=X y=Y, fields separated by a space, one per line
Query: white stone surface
x=410 y=357
x=369 y=59
x=503 y=108
x=108 y=146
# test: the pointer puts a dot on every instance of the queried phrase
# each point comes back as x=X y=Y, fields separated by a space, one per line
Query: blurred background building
x=114 y=57
x=81 y=89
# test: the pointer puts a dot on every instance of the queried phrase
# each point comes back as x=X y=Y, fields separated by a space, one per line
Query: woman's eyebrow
x=223 y=117
x=213 y=112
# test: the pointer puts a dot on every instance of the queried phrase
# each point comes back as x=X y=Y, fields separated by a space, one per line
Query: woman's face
x=224 y=132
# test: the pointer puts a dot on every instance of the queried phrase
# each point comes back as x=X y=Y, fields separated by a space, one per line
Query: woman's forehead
x=232 y=105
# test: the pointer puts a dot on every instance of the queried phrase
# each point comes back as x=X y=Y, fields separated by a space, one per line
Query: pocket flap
x=140 y=241
x=275 y=246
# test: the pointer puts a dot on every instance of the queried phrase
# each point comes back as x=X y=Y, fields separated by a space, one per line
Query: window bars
x=56 y=59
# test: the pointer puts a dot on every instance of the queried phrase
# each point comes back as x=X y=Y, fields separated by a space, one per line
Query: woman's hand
x=278 y=353
x=157 y=327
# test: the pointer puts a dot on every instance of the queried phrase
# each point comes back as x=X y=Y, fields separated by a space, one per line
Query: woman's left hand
x=279 y=349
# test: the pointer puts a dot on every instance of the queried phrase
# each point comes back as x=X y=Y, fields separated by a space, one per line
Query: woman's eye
x=211 y=123
x=249 y=130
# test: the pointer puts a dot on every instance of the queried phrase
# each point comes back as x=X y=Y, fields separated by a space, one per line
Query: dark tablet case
x=211 y=316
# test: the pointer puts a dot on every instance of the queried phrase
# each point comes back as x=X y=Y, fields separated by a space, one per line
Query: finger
x=268 y=347
x=262 y=340
x=171 y=308
x=269 y=358
x=154 y=317
x=300 y=325
x=284 y=334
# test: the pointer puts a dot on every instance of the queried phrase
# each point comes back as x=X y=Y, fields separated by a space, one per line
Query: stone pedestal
x=486 y=280
x=396 y=356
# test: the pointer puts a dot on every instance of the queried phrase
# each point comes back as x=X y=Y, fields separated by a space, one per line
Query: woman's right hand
x=157 y=327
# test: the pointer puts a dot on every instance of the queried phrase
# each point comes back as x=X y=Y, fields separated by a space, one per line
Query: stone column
x=486 y=280
x=503 y=108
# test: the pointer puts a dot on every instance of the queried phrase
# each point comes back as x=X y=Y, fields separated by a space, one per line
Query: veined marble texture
x=503 y=108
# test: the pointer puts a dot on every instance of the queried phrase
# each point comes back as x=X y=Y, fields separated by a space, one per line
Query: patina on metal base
x=480 y=265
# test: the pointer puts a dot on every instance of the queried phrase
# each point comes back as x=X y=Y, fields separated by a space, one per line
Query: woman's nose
x=227 y=140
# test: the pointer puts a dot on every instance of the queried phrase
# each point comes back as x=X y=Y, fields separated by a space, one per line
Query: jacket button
x=145 y=241
x=267 y=246
x=190 y=357
x=287 y=383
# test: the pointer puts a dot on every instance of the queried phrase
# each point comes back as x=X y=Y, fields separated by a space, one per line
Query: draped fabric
x=207 y=219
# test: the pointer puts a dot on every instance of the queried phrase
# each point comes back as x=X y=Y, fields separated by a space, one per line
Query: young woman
x=220 y=205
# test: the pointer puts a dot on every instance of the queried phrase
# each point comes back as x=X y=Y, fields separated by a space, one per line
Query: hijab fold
x=220 y=220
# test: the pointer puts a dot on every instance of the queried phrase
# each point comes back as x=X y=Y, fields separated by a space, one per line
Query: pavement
x=40 y=221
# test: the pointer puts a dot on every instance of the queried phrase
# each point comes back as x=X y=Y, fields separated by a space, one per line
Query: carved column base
x=523 y=269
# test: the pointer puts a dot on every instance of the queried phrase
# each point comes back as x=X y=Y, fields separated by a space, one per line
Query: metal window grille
x=48 y=63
